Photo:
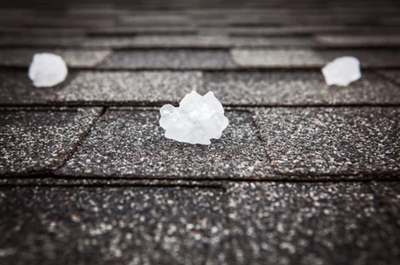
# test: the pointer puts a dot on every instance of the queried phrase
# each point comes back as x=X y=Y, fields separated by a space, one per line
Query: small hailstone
x=342 y=71
x=197 y=119
x=47 y=70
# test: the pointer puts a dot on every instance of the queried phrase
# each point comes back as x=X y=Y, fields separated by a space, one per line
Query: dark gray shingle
x=308 y=58
x=169 y=59
x=73 y=58
x=257 y=223
x=332 y=141
x=40 y=140
x=311 y=223
x=277 y=58
x=359 y=40
x=17 y=89
x=29 y=41
x=297 y=88
x=111 y=225
x=132 y=30
x=129 y=87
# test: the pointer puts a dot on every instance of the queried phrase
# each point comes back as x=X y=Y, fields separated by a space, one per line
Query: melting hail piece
x=342 y=71
x=47 y=70
x=197 y=119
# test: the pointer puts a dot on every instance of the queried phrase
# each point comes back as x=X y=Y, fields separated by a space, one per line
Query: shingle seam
x=114 y=185
x=81 y=138
x=388 y=78
x=275 y=176
x=55 y=177
x=143 y=105
x=258 y=132
x=111 y=52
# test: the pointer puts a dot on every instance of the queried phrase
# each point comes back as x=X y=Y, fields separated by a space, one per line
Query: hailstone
x=47 y=70
x=342 y=71
x=197 y=119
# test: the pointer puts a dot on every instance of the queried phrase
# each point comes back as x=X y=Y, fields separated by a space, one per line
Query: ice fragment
x=197 y=119
x=342 y=71
x=47 y=70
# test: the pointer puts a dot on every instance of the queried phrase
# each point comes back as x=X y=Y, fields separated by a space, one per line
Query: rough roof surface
x=304 y=174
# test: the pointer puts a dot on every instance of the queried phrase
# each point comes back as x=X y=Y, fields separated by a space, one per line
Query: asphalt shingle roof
x=304 y=174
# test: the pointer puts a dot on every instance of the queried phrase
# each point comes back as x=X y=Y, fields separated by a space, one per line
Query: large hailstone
x=197 y=119
x=47 y=70
x=342 y=71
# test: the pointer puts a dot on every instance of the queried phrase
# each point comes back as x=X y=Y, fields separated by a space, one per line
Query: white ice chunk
x=47 y=70
x=197 y=119
x=342 y=71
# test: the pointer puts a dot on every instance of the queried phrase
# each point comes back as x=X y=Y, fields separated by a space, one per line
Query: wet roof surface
x=304 y=174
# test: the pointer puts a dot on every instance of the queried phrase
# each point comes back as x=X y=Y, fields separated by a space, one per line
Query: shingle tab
x=129 y=87
x=131 y=143
x=369 y=58
x=102 y=87
x=307 y=58
x=17 y=89
x=311 y=223
x=110 y=42
x=331 y=141
x=284 y=30
x=69 y=22
x=277 y=58
x=73 y=58
x=308 y=30
x=130 y=31
x=154 y=19
x=169 y=59
x=39 y=140
x=43 y=32
x=359 y=40
x=111 y=225
x=272 y=41
x=40 y=41
x=297 y=88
